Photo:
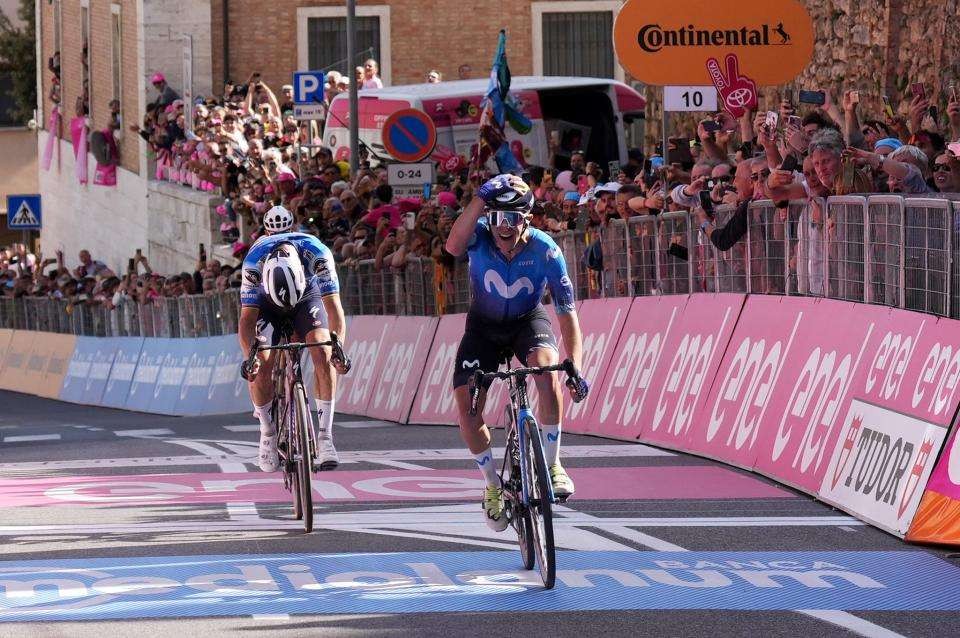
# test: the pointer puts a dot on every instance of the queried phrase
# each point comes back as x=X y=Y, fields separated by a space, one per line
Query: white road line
x=247 y=427
x=401 y=465
x=364 y=424
x=153 y=432
x=25 y=438
x=271 y=616
x=847 y=620
x=210 y=451
x=622 y=531
x=243 y=511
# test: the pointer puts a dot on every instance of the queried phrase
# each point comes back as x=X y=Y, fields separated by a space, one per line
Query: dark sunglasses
x=945 y=168
x=760 y=175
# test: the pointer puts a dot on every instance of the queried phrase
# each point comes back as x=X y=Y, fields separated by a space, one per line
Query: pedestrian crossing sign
x=23 y=212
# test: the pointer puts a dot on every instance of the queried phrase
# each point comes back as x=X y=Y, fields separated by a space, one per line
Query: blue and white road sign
x=23 y=212
x=308 y=96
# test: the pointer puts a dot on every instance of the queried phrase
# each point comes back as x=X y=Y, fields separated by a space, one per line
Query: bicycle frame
x=520 y=408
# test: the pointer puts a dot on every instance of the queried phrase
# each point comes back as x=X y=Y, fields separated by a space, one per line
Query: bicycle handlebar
x=337 y=355
x=481 y=378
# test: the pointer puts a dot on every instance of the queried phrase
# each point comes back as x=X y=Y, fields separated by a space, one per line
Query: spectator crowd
x=242 y=145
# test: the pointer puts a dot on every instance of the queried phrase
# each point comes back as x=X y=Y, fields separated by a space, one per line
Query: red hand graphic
x=737 y=92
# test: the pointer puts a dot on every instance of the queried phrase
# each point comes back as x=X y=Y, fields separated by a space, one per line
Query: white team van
x=587 y=114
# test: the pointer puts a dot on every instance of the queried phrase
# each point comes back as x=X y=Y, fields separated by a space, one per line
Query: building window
x=575 y=38
x=85 y=56
x=322 y=39
x=116 y=45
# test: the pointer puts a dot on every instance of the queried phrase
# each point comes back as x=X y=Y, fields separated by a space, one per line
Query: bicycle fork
x=522 y=415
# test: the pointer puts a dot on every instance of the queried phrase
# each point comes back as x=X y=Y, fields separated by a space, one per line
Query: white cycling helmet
x=278 y=220
x=283 y=278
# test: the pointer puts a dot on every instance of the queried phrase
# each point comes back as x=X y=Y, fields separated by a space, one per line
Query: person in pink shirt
x=370 y=79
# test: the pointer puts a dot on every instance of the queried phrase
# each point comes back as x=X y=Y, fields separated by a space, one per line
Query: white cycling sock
x=325 y=419
x=486 y=465
x=262 y=412
x=551 y=443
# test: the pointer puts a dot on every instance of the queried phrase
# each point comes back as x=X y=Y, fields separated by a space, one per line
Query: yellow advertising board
x=14 y=375
x=666 y=42
x=59 y=351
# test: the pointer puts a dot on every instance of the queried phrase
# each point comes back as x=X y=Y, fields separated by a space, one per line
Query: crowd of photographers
x=241 y=145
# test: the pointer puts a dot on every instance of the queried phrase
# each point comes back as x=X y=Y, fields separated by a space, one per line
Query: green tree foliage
x=18 y=61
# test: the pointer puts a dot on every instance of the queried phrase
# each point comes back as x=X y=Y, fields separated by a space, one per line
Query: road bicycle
x=527 y=488
x=296 y=437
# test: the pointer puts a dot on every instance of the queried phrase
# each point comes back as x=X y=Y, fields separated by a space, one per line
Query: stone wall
x=179 y=219
x=165 y=22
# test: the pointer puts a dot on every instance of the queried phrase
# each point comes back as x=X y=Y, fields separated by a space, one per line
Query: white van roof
x=457 y=88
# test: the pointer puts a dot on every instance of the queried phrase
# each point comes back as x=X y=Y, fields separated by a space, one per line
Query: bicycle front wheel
x=537 y=482
x=510 y=478
x=302 y=456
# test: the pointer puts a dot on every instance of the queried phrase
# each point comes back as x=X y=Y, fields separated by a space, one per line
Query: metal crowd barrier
x=890 y=250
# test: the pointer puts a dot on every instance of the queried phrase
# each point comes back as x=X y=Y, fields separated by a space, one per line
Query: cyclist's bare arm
x=338 y=323
x=572 y=337
x=247 y=330
x=463 y=229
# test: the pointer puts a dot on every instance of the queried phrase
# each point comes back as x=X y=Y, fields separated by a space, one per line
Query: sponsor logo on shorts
x=471 y=364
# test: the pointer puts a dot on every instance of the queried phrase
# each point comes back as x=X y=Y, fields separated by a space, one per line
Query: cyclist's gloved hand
x=579 y=389
x=341 y=364
x=250 y=372
x=497 y=186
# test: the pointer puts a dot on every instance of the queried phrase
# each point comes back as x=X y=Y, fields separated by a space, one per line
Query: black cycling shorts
x=484 y=341
x=308 y=315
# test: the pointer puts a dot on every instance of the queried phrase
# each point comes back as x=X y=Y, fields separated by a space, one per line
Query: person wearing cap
x=286 y=98
x=165 y=94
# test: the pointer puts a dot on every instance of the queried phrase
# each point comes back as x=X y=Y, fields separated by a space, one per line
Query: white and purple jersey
x=316 y=258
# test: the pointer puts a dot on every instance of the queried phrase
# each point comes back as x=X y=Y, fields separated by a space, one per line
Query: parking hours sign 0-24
x=23 y=212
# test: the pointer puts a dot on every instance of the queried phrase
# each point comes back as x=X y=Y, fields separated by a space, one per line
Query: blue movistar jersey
x=505 y=290
x=316 y=258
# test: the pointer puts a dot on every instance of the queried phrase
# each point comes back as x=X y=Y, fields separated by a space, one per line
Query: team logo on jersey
x=251 y=276
x=321 y=269
x=492 y=279
x=554 y=252
x=565 y=281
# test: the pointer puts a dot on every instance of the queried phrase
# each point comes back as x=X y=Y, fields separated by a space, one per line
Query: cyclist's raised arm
x=464 y=229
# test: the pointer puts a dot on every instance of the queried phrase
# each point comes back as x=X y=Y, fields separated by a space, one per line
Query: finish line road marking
x=153 y=432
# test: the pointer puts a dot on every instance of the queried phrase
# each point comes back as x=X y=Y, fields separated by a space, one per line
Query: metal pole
x=663 y=140
x=354 y=118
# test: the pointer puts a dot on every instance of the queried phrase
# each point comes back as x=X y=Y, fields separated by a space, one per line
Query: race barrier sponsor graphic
x=171 y=374
x=624 y=397
x=366 y=338
x=434 y=403
x=15 y=375
x=227 y=392
x=88 y=370
x=235 y=585
x=144 y=383
x=938 y=518
x=595 y=483
x=881 y=465
x=199 y=363
x=124 y=367
x=404 y=356
x=59 y=350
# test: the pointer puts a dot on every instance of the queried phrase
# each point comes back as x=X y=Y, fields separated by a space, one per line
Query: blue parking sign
x=308 y=87
x=23 y=212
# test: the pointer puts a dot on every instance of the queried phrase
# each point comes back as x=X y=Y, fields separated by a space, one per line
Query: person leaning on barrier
x=748 y=182
x=905 y=168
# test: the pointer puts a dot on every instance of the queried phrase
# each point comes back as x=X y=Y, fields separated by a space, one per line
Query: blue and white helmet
x=283 y=278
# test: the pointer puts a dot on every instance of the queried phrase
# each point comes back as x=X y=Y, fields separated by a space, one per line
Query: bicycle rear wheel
x=302 y=455
x=510 y=478
x=537 y=482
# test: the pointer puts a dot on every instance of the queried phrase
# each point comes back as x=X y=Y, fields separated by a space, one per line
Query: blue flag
x=499 y=108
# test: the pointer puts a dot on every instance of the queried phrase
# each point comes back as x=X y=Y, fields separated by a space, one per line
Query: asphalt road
x=116 y=523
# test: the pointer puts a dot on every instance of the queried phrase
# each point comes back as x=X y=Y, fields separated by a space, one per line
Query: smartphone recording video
x=818 y=98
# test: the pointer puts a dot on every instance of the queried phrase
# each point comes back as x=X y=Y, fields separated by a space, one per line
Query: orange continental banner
x=666 y=42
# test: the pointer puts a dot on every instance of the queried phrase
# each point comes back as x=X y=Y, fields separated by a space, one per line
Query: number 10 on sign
x=689 y=98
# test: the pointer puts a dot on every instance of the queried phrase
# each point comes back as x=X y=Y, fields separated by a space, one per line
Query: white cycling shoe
x=327 y=456
x=269 y=460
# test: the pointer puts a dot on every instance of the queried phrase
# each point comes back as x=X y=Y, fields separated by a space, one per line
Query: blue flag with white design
x=499 y=108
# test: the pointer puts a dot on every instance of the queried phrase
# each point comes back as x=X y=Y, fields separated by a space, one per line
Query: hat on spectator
x=408 y=205
x=286 y=175
x=565 y=181
x=891 y=142
x=571 y=196
x=286 y=87
x=609 y=187
x=157 y=77
x=446 y=198
x=344 y=168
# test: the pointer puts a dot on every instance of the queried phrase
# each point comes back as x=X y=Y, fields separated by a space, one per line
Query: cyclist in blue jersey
x=511 y=266
x=290 y=277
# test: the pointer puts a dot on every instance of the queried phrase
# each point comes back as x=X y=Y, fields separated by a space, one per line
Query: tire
x=541 y=509
x=513 y=492
x=302 y=455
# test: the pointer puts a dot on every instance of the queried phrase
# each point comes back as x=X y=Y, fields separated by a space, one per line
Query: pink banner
x=693 y=352
x=367 y=337
x=624 y=399
x=401 y=367
x=593 y=483
x=434 y=403
x=53 y=138
x=78 y=136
